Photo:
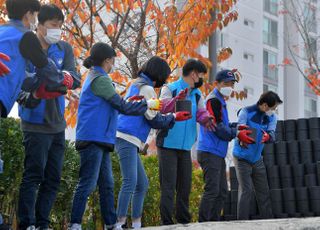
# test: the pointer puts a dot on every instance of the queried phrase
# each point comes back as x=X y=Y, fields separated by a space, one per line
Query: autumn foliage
x=140 y=29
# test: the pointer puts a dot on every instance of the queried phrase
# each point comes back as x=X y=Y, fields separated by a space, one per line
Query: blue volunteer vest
x=208 y=140
x=97 y=119
x=36 y=115
x=10 y=85
x=259 y=120
x=184 y=133
x=136 y=126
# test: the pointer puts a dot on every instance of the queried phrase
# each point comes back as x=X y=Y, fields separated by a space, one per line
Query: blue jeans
x=42 y=166
x=95 y=169
x=134 y=179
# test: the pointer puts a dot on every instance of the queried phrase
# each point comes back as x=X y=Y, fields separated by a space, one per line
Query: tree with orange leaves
x=139 y=29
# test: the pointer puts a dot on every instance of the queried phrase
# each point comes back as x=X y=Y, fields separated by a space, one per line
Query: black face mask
x=199 y=83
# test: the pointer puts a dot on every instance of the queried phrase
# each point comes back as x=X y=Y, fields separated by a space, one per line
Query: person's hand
x=210 y=124
x=154 y=104
x=68 y=79
x=182 y=94
x=4 y=70
x=182 y=116
x=42 y=93
x=135 y=98
x=244 y=137
x=265 y=137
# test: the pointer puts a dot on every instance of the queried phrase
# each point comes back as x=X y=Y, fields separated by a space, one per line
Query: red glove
x=42 y=93
x=182 y=116
x=3 y=68
x=265 y=137
x=182 y=94
x=135 y=98
x=243 y=136
x=68 y=79
x=210 y=123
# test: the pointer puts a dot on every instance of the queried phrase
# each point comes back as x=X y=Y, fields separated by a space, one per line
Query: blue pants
x=95 y=169
x=42 y=171
x=134 y=179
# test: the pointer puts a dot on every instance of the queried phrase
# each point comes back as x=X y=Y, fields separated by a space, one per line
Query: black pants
x=215 y=189
x=41 y=177
x=175 y=171
x=252 y=176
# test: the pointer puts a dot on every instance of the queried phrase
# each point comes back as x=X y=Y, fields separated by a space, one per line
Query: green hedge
x=13 y=156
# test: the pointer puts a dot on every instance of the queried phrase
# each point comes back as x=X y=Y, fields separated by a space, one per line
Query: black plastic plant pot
x=281 y=159
x=314 y=193
x=269 y=160
x=310 y=180
x=290 y=208
x=311 y=168
x=308 y=214
x=268 y=149
x=302 y=200
x=277 y=208
x=293 y=152
x=281 y=216
x=230 y=217
x=281 y=147
x=286 y=177
x=305 y=146
x=298 y=170
x=253 y=133
x=298 y=182
x=315 y=206
x=302 y=129
x=290 y=130
x=273 y=171
x=183 y=105
x=276 y=195
x=314 y=128
x=316 y=149
x=288 y=194
x=306 y=155
x=274 y=183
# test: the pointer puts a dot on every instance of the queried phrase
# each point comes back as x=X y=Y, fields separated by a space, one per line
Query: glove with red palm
x=265 y=137
x=182 y=116
x=3 y=68
x=244 y=137
x=168 y=104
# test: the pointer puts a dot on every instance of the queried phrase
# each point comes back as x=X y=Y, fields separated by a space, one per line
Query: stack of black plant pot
x=293 y=170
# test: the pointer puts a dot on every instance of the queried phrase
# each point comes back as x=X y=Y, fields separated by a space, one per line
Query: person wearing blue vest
x=22 y=46
x=43 y=128
x=213 y=146
x=174 y=145
x=132 y=133
x=96 y=133
x=250 y=169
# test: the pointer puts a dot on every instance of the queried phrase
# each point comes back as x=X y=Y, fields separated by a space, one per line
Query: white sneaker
x=118 y=227
x=75 y=227
x=31 y=227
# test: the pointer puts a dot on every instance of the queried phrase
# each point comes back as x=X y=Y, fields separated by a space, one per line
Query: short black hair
x=270 y=98
x=157 y=69
x=18 y=8
x=50 y=12
x=193 y=65
x=98 y=53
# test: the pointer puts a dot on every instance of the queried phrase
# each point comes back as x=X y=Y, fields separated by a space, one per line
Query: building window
x=310 y=107
x=270 y=32
x=270 y=69
x=269 y=87
x=248 y=90
x=271 y=6
x=248 y=22
x=248 y=56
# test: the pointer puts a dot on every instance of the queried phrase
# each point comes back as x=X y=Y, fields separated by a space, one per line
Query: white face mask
x=53 y=36
x=269 y=113
x=226 y=91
